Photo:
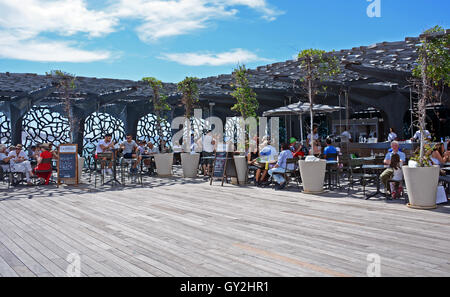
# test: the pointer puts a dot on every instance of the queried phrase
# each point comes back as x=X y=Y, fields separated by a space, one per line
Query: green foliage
x=437 y=54
x=247 y=104
x=318 y=64
x=425 y=160
x=65 y=83
x=429 y=76
x=190 y=91
x=159 y=100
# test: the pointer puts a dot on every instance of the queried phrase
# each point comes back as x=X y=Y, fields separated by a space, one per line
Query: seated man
x=389 y=172
x=103 y=146
x=281 y=166
x=150 y=150
x=130 y=151
x=4 y=160
x=329 y=150
x=19 y=163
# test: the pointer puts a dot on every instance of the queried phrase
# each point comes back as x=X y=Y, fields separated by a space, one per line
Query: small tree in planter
x=247 y=104
x=431 y=75
x=318 y=65
x=189 y=88
x=160 y=105
x=65 y=83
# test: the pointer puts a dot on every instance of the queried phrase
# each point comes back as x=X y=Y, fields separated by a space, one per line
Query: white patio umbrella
x=299 y=109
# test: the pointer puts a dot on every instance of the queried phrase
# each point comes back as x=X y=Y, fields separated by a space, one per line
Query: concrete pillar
x=16 y=118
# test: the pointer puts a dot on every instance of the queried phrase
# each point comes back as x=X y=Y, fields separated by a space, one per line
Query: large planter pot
x=421 y=183
x=313 y=176
x=241 y=169
x=80 y=167
x=189 y=162
x=164 y=164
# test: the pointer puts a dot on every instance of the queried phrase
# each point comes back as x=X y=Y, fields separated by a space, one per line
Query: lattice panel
x=95 y=128
x=147 y=129
x=5 y=129
x=40 y=125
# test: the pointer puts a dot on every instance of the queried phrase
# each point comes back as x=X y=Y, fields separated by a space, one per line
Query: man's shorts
x=208 y=161
x=128 y=156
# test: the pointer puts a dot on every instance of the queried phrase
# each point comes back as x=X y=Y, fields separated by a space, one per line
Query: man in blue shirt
x=280 y=167
x=329 y=150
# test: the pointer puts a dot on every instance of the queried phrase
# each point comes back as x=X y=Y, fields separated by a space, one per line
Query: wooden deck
x=178 y=227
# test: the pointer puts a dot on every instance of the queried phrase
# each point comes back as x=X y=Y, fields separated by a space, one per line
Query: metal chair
x=100 y=165
x=358 y=176
x=332 y=173
x=5 y=174
x=289 y=174
x=125 y=167
x=49 y=171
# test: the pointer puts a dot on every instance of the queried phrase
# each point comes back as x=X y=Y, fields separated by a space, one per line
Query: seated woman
x=43 y=170
x=438 y=157
x=252 y=161
x=299 y=151
x=397 y=178
x=267 y=153
x=281 y=167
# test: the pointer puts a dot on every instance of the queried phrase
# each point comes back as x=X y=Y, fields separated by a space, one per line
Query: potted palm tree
x=164 y=161
x=247 y=105
x=65 y=83
x=430 y=77
x=189 y=159
x=318 y=66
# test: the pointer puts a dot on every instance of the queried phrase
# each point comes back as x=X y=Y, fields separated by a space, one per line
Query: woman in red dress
x=43 y=170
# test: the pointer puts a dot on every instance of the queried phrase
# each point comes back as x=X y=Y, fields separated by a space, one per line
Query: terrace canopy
x=299 y=109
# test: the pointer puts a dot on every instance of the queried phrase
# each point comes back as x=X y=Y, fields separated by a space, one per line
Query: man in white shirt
x=427 y=136
x=129 y=150
x=316 y=135
x=19 y=163
x=208 y=144
x=104 y=146
x=346 y=136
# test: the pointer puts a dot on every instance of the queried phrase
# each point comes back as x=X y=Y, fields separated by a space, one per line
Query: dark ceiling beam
x=26 y=101
x=111 y=97
x=385 y=75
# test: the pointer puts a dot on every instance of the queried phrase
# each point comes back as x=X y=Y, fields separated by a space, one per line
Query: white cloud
x=177 y=17
x=236 y=56
x=28 y=20
x=12 y=47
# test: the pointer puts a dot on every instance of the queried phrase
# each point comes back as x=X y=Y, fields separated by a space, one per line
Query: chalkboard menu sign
x=224 y=166
x=68 y=164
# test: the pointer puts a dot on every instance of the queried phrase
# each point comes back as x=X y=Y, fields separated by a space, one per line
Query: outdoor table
x=147 y=157
x=114 y=180
x=266 y=164
x=378 y=170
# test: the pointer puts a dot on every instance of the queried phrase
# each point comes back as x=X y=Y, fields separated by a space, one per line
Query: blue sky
x=131 y=39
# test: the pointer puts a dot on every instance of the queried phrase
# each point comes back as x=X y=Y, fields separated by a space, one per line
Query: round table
x=378 y=169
